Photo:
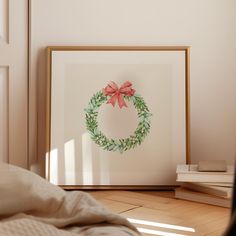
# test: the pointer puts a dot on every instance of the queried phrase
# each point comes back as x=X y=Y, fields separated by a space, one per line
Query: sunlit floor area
x=158 y=213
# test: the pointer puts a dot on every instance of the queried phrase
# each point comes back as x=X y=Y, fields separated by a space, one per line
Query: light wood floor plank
x=117 y=207
x=161 y=207
x=144 y=200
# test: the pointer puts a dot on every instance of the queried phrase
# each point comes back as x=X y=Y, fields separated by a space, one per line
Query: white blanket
x=30 y=206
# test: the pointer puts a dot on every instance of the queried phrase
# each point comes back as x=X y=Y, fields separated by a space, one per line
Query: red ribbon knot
x=117 y=93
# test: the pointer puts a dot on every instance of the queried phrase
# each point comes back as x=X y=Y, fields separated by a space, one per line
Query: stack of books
x=213 y=188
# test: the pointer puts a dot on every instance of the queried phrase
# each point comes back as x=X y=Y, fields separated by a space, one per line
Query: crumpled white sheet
x=31 y=206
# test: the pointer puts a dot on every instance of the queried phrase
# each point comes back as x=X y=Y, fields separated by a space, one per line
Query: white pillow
x=22 y=191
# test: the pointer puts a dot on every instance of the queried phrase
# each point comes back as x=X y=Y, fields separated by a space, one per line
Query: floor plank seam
x=129 y=209
x=123 y=202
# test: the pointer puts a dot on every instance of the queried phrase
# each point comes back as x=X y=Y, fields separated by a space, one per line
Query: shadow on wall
x=37 y=161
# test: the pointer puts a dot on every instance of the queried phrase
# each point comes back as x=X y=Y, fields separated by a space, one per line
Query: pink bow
x=117 y=93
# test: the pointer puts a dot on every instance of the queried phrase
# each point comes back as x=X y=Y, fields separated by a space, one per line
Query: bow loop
x=117 y=93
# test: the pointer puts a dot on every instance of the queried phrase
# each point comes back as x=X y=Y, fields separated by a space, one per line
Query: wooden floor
x=158 y=213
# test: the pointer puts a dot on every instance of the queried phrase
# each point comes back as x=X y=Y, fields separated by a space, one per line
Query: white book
x=225 y=192
x=185 y=194
x=229 y=185
x=189 y=173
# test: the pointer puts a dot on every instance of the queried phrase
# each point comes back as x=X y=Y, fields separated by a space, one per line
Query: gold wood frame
x=50 y=49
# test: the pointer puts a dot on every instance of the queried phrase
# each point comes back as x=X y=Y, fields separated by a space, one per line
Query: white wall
x=208 y=26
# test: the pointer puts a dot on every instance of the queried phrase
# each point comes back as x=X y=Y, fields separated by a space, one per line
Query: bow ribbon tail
x=113 y=99
x=121 y=101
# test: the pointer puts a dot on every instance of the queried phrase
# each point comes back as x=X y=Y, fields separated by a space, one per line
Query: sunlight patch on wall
x=47 y=166
x=104 y=171
x=69 y=162
x=87 y=165
x=54 y=166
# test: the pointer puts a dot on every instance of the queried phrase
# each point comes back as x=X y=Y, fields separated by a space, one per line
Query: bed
x=29 y=205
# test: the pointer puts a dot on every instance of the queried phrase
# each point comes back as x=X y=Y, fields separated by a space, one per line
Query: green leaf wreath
x=119 y=145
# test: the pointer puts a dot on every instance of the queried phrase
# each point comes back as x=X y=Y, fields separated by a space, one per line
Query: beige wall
x=208 y=26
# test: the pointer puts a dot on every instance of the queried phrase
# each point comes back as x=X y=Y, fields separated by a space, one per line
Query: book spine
x=204 y=178
x=207 y=189
x=201 y=199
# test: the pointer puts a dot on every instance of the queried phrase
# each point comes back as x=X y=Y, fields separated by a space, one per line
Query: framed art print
x=117 y=117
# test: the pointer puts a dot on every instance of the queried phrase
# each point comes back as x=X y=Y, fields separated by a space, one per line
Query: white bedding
x=30 y=206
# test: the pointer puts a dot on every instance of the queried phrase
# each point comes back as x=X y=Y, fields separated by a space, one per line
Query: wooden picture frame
x=75 y=73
